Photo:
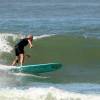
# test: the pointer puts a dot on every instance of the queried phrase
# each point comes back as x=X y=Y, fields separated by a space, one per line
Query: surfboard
x=37 y=68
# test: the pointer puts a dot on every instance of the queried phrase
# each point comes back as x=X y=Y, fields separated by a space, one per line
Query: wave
x=45 y=92
x=78 y=55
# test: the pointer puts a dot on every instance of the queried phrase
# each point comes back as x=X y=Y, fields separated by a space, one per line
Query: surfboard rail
x=37 y=68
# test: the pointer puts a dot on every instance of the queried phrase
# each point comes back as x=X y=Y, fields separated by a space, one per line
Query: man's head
x=30 y=37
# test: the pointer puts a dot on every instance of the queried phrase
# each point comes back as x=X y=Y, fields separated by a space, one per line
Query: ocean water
x=65 y=31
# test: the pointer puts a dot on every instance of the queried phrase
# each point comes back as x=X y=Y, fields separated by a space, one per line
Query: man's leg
x=21 y=59
x=15 y=61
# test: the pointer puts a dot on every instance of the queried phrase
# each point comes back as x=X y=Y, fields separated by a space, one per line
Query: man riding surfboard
x=19 y=49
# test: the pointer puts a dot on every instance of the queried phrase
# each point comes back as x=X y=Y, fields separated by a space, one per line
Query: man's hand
x=31 y=46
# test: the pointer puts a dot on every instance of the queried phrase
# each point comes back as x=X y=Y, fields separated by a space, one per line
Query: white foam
x=42 y=36
x=40 y=93
x=6 y=67
x=4 y=44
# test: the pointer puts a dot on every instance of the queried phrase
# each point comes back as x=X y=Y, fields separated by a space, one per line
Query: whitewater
x=45 y=91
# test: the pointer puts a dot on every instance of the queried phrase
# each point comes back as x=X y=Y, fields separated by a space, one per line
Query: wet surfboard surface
x=37 y=68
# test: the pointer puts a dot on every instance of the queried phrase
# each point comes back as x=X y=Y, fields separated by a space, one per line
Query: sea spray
x=4 y=45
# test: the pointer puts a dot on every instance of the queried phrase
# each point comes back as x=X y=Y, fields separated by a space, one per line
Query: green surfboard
x=36 y=68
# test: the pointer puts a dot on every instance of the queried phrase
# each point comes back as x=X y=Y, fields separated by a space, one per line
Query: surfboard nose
x=56 y=66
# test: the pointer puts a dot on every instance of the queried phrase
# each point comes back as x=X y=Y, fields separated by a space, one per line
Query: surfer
x=19 y=49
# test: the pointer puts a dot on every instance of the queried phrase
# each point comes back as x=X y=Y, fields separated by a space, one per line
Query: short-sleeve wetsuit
x=19 y=47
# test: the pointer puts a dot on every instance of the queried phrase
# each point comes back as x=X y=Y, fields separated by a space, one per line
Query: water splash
x=5 y=44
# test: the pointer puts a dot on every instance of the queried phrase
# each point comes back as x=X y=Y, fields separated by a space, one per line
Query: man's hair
x=30 y=36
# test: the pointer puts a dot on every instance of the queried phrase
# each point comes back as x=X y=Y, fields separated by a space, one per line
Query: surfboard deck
x=36 y=68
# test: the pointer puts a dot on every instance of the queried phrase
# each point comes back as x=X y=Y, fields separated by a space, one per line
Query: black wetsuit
x=19 y=47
